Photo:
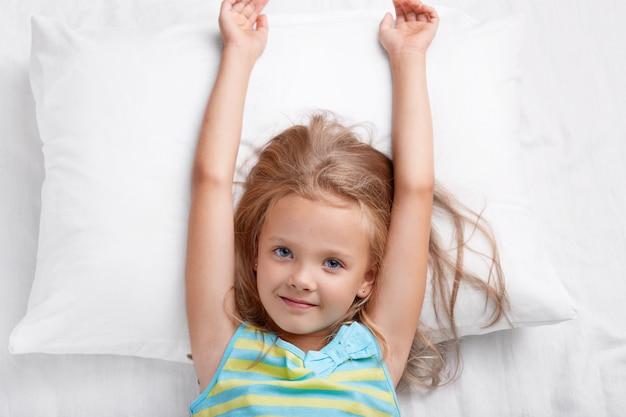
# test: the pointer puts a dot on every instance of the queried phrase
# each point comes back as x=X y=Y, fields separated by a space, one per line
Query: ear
x=255 y=264
x=367 y=285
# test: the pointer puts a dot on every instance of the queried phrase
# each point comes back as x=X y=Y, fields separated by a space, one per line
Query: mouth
x=297 y=304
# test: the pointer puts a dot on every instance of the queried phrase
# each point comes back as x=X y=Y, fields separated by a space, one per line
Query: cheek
x=341 y=294
x=261 y=278
x=266 y=276
x=264 y=285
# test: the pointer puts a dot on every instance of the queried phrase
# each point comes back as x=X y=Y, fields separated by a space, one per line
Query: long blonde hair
x=326 y=160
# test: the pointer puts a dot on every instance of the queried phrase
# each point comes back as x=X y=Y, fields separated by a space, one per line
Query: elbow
x=203 y=175
x=424 y=185
x=424 y=191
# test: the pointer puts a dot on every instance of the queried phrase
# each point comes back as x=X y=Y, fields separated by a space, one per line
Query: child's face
x=313 y=259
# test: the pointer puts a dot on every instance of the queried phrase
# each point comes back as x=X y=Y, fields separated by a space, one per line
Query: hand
x=414 y=30
x=243 y=26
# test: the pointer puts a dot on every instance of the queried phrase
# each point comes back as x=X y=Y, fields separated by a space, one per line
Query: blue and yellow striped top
x=263 y=375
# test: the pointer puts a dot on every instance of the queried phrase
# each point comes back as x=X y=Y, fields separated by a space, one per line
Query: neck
x=304 y=342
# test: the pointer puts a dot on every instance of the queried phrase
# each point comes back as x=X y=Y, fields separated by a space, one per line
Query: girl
x=307 y=299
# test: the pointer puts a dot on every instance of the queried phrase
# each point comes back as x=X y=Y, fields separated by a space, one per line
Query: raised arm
x=398 y=303
x=210 y=246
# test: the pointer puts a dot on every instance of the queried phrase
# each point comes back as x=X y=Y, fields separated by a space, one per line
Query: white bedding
x=574 y=147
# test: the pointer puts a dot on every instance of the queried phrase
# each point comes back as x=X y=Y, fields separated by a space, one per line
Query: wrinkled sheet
x=574 y=138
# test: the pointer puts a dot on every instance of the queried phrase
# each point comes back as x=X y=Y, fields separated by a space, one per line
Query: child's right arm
x=210 y=266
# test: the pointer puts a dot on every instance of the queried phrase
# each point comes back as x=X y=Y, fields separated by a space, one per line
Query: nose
x=302 y=278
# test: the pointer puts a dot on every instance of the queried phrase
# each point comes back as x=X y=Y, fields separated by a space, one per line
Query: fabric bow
x=352 y=342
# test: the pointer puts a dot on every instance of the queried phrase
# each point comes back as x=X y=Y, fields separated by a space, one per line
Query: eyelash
x=283 y=252
x=280 y=252
x=338 y=263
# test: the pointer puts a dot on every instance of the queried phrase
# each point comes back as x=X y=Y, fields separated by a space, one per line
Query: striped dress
x=262 y=375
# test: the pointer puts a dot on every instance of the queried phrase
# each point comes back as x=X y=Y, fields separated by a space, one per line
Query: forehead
x=332 y=222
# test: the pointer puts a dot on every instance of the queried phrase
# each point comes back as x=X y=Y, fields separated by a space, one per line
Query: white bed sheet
x=574 y=141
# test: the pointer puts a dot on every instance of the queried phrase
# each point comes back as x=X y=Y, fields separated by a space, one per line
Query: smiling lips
x=298 y=304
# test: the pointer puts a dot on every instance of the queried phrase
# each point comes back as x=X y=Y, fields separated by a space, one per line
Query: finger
x=422 y=17
x=239 y=5
x=251 y=13
x=409 y=10
x=414 y=11
x=227 y=5
x=253 y=9
x=431 y=13
x=258 y=5
x=400 y=13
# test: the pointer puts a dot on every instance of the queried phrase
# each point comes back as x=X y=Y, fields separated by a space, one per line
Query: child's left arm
x=398 y=302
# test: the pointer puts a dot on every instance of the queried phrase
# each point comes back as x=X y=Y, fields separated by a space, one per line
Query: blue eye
x=332 y=263
x=282 y=252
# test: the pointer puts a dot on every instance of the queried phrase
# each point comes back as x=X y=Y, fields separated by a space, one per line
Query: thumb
x=386 y=23
x=261 y=23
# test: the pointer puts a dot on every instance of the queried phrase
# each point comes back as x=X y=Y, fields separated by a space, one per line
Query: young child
x=307 y=299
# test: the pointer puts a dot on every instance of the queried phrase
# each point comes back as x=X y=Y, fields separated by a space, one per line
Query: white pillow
x=119 y=112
